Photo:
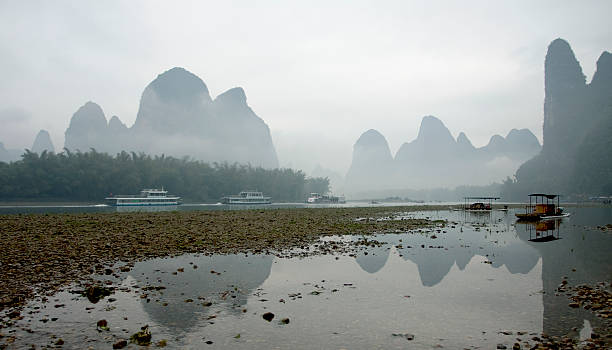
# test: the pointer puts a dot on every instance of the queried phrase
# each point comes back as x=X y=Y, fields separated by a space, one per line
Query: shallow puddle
x=475 y=281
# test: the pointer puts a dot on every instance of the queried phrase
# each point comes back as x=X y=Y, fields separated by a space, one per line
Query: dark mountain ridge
x=575 y=159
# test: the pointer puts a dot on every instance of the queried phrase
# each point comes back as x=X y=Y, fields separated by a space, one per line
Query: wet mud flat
x=382 y=278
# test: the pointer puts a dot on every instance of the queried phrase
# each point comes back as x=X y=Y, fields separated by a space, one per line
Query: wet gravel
x=43 y=252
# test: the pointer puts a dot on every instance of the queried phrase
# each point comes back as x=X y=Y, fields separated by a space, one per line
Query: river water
x=45 y=208
x=484 y=280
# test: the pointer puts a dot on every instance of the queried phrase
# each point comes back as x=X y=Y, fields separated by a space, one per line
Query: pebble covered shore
x=41 y=253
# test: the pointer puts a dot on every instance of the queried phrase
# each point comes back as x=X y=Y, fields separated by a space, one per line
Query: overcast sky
x=319 y=73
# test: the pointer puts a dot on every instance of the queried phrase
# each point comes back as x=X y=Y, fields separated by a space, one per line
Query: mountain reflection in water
x=483 y=273
x=225 y=280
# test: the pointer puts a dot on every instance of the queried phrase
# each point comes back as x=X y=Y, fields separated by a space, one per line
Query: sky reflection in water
x=480 y=276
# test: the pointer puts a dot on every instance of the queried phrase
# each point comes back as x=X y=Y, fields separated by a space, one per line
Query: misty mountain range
x=178 y=117
x=436 y=159
x=42 y=142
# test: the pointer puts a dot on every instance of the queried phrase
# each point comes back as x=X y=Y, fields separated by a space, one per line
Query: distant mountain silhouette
x=42 y=142
x=178 y=117
x=87 y=129
x=436 y=159
x=372 y=161
x=9 y=155
x=575 y=157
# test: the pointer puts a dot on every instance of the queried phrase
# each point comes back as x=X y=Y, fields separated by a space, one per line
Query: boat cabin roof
x=154 y=190
x=250 y=193
x=484 y=198
x=549 y=196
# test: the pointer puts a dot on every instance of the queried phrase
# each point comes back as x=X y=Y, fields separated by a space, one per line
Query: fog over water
x=318 y=74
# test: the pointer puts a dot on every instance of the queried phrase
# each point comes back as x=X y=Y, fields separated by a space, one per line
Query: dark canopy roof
x=549 y=196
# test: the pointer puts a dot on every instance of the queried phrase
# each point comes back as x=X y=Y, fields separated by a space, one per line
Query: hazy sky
x=319 y=73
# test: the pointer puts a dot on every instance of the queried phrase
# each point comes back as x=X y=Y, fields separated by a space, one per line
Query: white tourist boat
x=147 y=197
x=247 y=197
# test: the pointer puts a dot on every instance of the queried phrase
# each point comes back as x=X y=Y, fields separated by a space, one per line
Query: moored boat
x=316 y=198
x=247 y=197
x=478 y=204
x=544 y=208
x=147 y=197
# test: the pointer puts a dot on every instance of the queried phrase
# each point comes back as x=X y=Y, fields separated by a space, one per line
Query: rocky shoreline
x=43 y=252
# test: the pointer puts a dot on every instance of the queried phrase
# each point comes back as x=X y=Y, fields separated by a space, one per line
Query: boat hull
x=537 y=217
x=145 y=205
x=552 y=217
x=237 y=202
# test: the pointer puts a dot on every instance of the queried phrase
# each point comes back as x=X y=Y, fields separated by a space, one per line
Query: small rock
x=102 y=325
x=95 y=293
x=120 y=344
x=285 y=320
x=268 y=316
x=501 y=346
x=60 y=341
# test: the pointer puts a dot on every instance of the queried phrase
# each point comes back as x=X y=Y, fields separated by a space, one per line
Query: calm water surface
x=482 y=275
x=45 y=208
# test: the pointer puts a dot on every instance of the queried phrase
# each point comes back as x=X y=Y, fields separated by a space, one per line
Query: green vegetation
x=94 y=175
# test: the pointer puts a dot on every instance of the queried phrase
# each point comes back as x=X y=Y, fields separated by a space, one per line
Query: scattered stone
x=268 y=316
x=77 y=245
x=408 y=336
x=102 y=325
x=120 y=344
x=285 y=320
x=96 y=293
x=142 y=337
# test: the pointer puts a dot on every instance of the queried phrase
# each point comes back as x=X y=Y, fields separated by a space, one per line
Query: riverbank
x=43 y=252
